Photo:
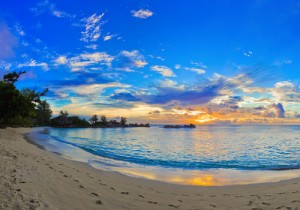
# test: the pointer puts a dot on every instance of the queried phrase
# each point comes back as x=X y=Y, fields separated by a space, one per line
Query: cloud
x=163 y=70
x=5 y=66
x=124 y=97
x=109 y=37
x=19 y=30
x=46 y=6
x=34 y=63
x=62 y=14
x=231 y=102
x=279 y=110
x=154 y=112
x=84 y=60
x=167 y=83
x=197 y=70
x=177 y=66
x=248 y=53
x=85 y=85
x=127 y=60
x=283 y=62
x=7 y=42
x=199 y=64
x=286 y=92
x=142 y=13
x=92 y=26
x=61 y=60
x=169 y=92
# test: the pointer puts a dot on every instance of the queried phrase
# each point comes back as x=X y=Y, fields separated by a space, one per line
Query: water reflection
x=203 y=177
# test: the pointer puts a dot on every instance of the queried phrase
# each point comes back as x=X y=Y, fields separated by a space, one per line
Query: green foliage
x=76 y=121
x=123 y=121
x=17 y=108
x=103 y=120
x=94 y=119
x=43 y=113
x=63 y=120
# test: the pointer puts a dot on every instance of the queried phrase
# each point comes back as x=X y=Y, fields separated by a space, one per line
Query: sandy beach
x=33 y=178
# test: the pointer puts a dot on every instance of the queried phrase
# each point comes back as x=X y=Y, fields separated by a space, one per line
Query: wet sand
x=33 y=178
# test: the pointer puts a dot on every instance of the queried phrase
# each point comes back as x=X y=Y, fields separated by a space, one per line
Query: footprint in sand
x=171 y=205
x=266 y=204
x=212 y=205
x=112 y=188
x=95 y=194
x=81 y=186
x=153 y=202
x=250 y=203
x=125 y=193
x=75 y=180
x=99 y=202
x=141 y=196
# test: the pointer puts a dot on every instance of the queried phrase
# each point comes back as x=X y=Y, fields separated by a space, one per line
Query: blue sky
x=159 y=61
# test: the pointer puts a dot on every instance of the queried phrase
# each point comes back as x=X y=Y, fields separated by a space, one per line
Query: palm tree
x=94 y=119
x=123 y=121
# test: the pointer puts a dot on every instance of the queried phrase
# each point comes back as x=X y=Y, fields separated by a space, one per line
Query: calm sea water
x=206 y=147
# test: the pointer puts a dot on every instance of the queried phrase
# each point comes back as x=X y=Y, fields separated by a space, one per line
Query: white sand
x=33 y=178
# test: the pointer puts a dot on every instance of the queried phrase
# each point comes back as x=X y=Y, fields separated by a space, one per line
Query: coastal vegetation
x=66 y=121
x=25 y=108
x=21 y=107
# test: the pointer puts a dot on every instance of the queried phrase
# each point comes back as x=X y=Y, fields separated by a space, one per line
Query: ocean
x=231 y=154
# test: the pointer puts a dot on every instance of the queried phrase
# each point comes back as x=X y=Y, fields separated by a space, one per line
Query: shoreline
x=180 y=176
x=35 y=178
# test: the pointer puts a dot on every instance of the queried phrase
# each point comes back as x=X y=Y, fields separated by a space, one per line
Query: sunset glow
x=215 y=63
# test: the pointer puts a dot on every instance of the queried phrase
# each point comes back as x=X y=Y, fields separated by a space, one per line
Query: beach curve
x=33 y=178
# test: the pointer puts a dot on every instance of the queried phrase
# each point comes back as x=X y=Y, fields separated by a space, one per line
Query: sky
x=194 y=61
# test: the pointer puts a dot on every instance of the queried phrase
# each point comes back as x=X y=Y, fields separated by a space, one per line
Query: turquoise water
x=206 y=147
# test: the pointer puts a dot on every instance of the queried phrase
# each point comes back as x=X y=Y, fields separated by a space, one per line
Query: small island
x=180 y=126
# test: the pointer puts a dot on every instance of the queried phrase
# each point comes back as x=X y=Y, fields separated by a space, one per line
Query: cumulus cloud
x=163 y=70
x=142 y=13
x=92 y=26
x=127 y=60
x=34 y=63
x=61 y=60
x=287 y=92
x=7 y=42
x=278 y=109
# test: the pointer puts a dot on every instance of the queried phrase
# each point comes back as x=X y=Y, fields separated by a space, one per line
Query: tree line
x=25 y=108
x=22 y=108
x=64 y=120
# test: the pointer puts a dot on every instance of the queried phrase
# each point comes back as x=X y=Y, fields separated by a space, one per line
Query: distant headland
x=64 y=121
